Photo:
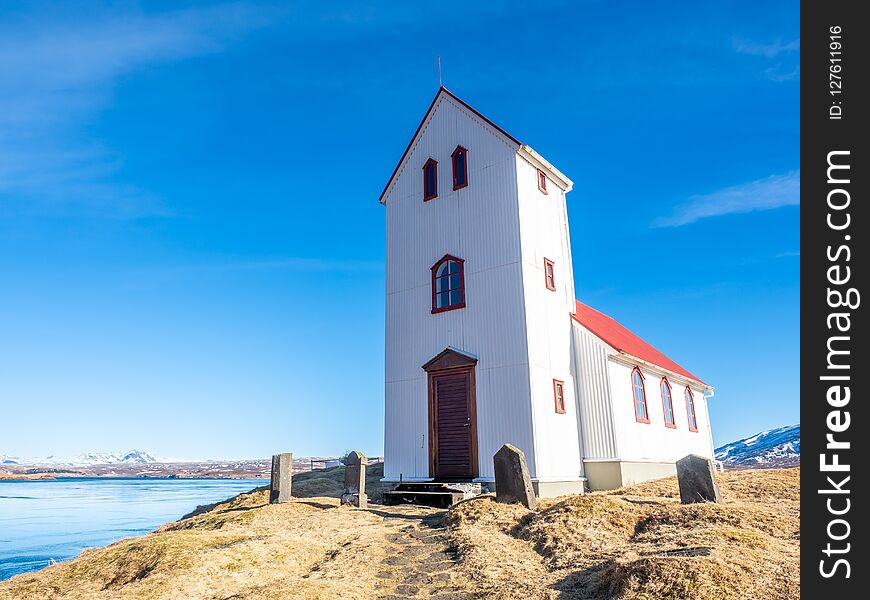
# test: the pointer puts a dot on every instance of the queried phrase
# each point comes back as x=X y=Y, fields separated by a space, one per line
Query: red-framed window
x=549 y=274
x=641 y=414
x=430 y=179
x=542 y=181
x=460 y=167
x=690 y=410
x=559 y=396
x=448 y=284
x=667 y=403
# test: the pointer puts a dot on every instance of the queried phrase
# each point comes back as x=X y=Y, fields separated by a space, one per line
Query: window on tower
x=448 y=284
x=460 y=167
x=542 y=181
x=549 y=274
x=559 y=395
x=430 y=179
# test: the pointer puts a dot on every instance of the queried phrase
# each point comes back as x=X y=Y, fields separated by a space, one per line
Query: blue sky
x=191 y=247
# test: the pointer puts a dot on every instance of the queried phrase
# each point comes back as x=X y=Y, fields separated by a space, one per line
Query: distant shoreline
x=217 y=469
x=62 y=477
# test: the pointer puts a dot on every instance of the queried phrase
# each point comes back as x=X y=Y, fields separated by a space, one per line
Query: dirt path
x=418 y=561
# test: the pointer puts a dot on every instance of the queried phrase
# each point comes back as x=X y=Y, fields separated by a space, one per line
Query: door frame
x=452 y=362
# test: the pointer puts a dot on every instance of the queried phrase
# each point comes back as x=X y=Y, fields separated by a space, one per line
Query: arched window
x=430 y=179
x=460 y=167
x=639 y=393
x=448 y=284
x=668 y=403
x=690 y=410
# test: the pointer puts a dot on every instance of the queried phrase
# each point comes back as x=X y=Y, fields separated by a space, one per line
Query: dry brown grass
x=633 y=544
x=242 y=549
x=639 y=543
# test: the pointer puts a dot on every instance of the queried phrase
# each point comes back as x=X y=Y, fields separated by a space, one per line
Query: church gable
x=448 y=121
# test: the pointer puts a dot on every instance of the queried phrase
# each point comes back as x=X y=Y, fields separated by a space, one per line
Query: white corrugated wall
x=544 y=234
x=593 y=396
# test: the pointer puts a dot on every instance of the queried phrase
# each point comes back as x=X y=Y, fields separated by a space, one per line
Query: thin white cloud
x=58 y=70
x=786 y=67
x=768 y=50
x=780 y=73
x=763 y=194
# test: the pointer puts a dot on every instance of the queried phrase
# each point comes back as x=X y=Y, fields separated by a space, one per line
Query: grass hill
x=637 y=543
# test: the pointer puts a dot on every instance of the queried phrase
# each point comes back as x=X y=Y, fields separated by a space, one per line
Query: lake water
x=45 y=521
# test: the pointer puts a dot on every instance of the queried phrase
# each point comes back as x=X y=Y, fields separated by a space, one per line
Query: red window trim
x=643 y=392
x=664 y=410
x=434 y=270
x=430 y=194
x=552 y=265
x=556 y=385
x=690 y=397
x=542 y=181
x=459 y=150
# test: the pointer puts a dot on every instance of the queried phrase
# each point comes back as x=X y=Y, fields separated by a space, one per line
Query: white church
x=485 y=341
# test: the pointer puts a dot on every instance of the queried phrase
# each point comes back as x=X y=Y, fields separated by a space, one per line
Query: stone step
x=437 y=499
x=425 y=487
x=420 y=487
x=467 y=488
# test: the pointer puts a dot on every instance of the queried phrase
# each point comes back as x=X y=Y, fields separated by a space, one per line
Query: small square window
x=549 y=275
x=542 y=181
x=559 y=395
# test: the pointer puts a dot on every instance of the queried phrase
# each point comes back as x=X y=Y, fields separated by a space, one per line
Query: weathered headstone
x=355 y=480
x=282 y=478
x=697 y=479
x=512 y=480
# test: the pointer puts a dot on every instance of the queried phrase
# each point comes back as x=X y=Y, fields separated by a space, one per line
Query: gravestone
x=282 y=478
x=355 y=480
x=512 y=480
x=697 y=479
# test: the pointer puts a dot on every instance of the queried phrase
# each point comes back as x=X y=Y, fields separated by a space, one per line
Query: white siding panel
x=503 y=415
x=595 y=414
x=544 y=234
x=406 y=450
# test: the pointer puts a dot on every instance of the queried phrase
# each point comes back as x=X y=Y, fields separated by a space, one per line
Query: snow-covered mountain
x=6 y=459
x=768 y=449
x=88 y=459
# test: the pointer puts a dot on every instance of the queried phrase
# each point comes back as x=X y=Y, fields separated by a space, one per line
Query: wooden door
x=453 y=445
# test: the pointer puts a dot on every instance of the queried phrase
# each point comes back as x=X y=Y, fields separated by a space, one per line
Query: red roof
x=623 y=340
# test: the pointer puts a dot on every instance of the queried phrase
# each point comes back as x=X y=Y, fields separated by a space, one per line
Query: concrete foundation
x=613 y=474
x=550 y=489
